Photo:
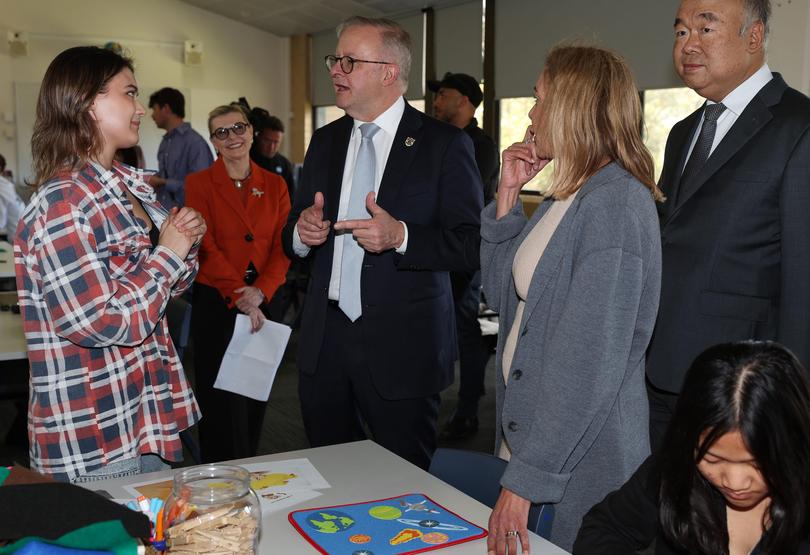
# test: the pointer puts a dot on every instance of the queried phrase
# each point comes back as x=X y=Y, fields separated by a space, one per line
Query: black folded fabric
x=52 y=510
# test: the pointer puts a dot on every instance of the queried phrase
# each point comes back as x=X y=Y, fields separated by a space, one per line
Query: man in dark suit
x=736 y=223
x=377 y=341
x=457 y=97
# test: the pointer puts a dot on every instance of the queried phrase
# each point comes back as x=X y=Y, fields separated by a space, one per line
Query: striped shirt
x=106 y=383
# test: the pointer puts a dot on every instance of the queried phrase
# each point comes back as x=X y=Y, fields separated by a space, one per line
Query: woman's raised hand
x=179 y=235
x=190 y=222
x=520 y=164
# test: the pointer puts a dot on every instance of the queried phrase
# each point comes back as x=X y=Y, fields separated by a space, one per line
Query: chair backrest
x=178 y=315
x=479 y=476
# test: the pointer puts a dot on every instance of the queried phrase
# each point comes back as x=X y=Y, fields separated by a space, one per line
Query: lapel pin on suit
x=256 y=192
x=409 y=141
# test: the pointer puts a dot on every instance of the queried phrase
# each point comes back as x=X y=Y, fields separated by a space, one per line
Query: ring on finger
x=511 y=533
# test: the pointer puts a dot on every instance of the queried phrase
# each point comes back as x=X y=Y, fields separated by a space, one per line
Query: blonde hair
x=226 y=109
x=593 y=113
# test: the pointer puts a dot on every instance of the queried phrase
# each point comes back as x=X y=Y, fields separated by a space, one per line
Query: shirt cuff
x=298 y=246
x=404 y=246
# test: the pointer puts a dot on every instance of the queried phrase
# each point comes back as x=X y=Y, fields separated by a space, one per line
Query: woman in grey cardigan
x=577 y=290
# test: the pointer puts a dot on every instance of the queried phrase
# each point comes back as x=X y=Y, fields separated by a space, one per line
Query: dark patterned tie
x=703 y=147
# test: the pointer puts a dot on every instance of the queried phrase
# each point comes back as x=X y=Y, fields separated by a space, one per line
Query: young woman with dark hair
x=734 y=477
x=97 y=259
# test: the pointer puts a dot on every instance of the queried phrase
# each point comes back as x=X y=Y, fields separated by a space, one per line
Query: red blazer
x=238 y=234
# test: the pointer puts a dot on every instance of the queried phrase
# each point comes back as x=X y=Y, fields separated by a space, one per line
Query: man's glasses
x=346 y=62
x=238 y=129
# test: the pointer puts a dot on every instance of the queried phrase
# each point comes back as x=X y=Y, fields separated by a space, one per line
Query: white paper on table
x=285 y=476
x=252 y=359
x=272 y=502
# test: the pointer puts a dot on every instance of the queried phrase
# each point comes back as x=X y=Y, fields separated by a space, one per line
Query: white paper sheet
x=252 y=359
x=273 y=502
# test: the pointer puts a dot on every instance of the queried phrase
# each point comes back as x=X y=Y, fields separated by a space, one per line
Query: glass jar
x=212 y=509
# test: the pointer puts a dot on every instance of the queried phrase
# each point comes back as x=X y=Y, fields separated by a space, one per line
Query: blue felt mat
x=408 y=523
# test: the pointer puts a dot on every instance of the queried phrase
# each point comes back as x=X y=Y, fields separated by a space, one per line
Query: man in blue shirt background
x=182 y=150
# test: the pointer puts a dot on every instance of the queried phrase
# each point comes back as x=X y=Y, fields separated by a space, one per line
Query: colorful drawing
x=435 y=538
x=420 y=507
x=385 y=512
x=330 y=522
x=161 y=489
x=262 y=480
x=405 y=536
x=433 y=524
x=360 y=538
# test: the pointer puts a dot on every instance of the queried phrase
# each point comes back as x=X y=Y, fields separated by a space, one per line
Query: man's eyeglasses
x=238 y=129
x=346 y=62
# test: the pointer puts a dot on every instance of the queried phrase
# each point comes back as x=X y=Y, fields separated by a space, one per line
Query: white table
x=12 y=338
x=358 y=472
x=6 y=260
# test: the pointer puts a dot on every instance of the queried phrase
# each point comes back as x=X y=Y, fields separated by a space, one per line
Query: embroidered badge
x=256 y=192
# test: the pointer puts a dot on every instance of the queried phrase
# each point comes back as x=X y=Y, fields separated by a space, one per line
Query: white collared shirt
x=388 y=122
x=735 y=102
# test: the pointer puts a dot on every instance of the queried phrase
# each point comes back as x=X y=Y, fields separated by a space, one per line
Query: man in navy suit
x=736 y=223
x=389 y=202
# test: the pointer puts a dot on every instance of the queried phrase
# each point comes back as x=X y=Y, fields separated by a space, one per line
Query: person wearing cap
x=457 y=97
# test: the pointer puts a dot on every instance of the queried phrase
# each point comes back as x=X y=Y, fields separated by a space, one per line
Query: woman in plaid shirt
x=97 y=259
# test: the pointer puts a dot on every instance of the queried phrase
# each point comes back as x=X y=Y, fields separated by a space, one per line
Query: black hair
x=261 y=120
x=171 y=97
x=760 y=389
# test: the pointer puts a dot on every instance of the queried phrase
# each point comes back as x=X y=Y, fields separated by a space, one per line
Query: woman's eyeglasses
x=346 y=62
x=237 y=128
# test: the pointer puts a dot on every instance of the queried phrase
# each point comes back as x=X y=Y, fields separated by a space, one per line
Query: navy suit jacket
x=432 y=184
x=736 y=250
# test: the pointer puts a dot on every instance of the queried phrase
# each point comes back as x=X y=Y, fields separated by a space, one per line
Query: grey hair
x=757 y=10
x=395 y=39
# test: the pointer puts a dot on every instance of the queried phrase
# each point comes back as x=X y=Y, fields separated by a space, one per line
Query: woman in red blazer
x=242 y=264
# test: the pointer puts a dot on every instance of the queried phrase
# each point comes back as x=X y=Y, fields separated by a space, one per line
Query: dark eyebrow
x=708 y=16
x=751 y=460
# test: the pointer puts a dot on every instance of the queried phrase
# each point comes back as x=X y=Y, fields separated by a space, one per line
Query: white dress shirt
x=388 y=122
x=11 y=208
x=735 y=102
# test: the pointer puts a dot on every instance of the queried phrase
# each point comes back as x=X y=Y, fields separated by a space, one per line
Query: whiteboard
x=198 y=103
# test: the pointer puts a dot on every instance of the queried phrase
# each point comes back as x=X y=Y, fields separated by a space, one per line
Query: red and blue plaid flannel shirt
x=106 y=383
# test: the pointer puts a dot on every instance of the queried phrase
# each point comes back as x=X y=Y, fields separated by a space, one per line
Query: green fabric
x=4 y=472
x=109 y=535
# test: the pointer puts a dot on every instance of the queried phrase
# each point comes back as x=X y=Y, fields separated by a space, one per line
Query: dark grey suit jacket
x=736 y=251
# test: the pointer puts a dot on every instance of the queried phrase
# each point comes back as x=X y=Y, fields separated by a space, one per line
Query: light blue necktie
x=351 y=263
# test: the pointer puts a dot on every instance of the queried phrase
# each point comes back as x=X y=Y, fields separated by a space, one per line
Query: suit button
x=249 y=237
x=513 y=427
x=517 y=374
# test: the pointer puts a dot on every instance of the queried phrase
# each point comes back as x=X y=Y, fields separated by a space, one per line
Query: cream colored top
x=526 y=259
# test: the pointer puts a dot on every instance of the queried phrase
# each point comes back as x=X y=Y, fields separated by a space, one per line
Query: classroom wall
x=238 y=60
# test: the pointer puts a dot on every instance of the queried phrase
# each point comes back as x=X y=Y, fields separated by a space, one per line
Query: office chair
x=479 y=476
